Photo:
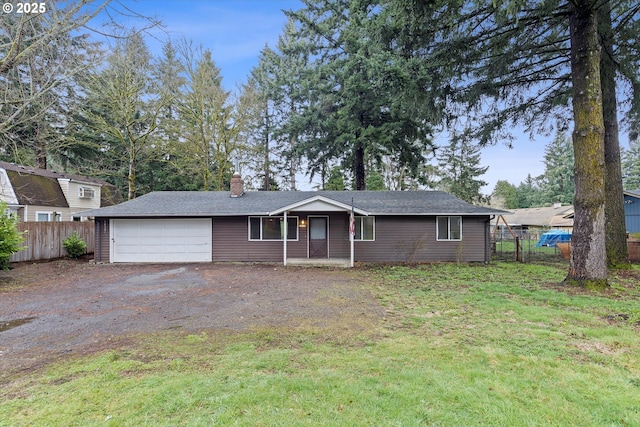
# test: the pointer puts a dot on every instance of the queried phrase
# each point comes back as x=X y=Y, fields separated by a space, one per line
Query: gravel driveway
x=67 y=307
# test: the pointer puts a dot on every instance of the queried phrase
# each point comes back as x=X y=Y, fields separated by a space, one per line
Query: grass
x=461 y=344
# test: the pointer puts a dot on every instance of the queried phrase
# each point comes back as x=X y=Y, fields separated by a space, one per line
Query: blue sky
x=236 y=30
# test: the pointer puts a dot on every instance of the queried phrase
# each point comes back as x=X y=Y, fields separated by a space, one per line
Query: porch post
x=351 y=238
x=286 y=230
x=352 y=231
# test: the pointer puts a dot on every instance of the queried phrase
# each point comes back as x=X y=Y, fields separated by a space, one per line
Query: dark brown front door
x=318 y=233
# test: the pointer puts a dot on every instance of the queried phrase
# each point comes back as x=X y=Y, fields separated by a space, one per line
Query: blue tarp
x=550 y=238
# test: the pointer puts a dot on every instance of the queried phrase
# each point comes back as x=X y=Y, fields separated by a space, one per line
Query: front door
x=318 y=237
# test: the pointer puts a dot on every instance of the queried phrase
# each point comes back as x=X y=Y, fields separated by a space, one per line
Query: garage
x=161 y=240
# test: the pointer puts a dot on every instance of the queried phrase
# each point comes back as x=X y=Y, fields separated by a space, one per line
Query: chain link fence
x=522 y=246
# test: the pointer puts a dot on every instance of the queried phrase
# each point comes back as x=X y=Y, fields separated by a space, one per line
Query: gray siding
x=413 y=239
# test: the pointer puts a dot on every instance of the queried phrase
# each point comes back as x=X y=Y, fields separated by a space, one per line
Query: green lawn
x=461 y=345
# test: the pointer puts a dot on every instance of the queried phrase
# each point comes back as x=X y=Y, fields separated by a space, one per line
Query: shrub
x=10 y=238
x=74 y=245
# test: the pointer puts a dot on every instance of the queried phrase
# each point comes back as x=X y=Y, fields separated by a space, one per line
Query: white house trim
x=319 y=204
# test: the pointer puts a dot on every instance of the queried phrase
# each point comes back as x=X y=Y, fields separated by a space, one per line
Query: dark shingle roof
x=36 y=190
x=219 y=203
x=32 y=170
x=35 y=186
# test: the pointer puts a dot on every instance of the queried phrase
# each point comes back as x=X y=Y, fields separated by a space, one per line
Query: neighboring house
x=632 y=210
x=530 y=221
x=188 y=226
x=42 y=195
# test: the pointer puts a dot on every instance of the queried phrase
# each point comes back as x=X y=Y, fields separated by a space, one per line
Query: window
x=48 y=216
x=86 y=192
x=449 y=228
x=365 y=228
x=270 y=228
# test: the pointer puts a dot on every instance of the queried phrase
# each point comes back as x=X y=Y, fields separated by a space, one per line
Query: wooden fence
x=44 y=239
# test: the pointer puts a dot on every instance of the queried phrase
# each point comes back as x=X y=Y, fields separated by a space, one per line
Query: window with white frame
x=271 y=228
x=48 y=216
x=449 y=228
x=365 y=228
x=86 y=192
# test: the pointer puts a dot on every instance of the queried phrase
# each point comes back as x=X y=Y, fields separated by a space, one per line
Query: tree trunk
x=131 y=178
x=267 y=178
x=292 y=146
x=588 y=256
x=292 y=173
x=616 y=233
x=359 y=166
x=40 y=150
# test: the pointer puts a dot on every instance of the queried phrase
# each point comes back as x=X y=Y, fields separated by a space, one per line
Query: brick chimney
x=237 y=185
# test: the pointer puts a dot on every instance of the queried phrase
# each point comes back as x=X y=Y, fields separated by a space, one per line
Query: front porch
x=319 y=262
x=325 y=239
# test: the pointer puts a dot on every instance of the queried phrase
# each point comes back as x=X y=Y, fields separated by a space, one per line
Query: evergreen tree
x=505 y=195
x=164 y=165
x=363 y=100
x=631 y=166
x=122 y=108
x=615 y=231
x=289 y=65
x=205 y=115
x=459 y=169
x=521 y=63
x=375 y=181
x=261 y=144
x=557 y=183
x=336 y=180
x=529 y=192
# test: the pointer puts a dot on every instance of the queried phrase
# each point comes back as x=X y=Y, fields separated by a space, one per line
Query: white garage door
x=161 y=240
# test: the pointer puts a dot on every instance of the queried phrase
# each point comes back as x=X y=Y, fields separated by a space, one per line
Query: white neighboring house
x=35 y=194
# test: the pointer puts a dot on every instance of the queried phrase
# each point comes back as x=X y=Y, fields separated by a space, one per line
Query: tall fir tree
x=631 y=166
x=122 y=109
x=164 y=166
x=204 y=112
x=459 y=169
x=524 y=62
x=557 y=184
x=363 y=100
x=529 y=192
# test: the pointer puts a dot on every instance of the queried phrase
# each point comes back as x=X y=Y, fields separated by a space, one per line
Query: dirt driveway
x=65 y=307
